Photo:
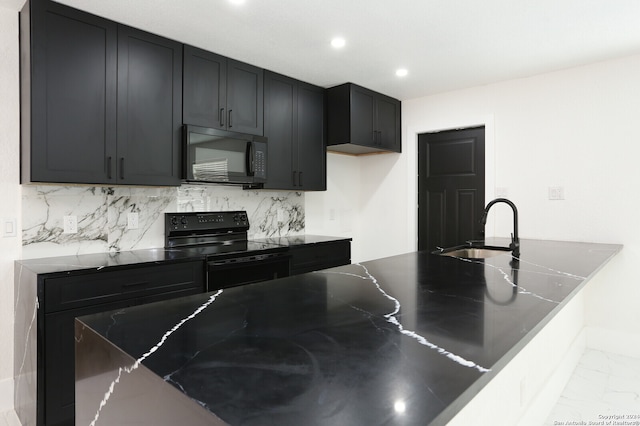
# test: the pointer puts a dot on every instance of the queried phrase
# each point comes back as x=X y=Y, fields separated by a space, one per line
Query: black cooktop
x=214 y=234
x=234 y=248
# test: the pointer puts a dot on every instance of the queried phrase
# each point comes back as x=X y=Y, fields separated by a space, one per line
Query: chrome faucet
x=515 y=241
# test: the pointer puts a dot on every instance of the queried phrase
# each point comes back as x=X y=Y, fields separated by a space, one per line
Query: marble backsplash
x=102 y=215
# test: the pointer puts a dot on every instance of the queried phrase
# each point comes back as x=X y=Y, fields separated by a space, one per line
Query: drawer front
x=314 y=257
x=99 y=287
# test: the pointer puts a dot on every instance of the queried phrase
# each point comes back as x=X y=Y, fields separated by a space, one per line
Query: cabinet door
x=56 y=335
x=59 y=362
x=205 y=88
x=245 y=98
x=362 y=116
x=388 y=123
x=314 y=257
x=310 y=149
x=279 y=129
x=73 y=95
x=149 y=108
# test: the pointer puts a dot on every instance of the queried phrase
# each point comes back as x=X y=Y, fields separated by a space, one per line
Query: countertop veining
x=408 y=339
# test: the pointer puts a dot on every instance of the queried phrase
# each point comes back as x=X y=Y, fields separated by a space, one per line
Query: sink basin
x=473 y=252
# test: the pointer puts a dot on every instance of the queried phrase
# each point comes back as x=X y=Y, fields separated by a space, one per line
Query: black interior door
x=451 y=174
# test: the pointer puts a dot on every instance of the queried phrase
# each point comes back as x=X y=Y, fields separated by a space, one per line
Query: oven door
x=231 y=272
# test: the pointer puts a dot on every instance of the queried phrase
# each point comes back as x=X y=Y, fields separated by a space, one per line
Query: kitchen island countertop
x=408 y=339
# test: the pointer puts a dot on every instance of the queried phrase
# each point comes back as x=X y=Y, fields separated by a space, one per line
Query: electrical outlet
x=556 y=193
x=70 y=224
x=132 y=221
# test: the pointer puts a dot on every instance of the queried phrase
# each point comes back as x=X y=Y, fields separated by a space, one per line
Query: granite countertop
x=100 y=261
x=408 y=339
x=296 y=240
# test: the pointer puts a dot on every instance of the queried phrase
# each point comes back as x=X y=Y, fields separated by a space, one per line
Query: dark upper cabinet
x=362 y=121
x=97 y=99
x=294 y=124
x=68 y=71
x=222 y=93
x=149 y=109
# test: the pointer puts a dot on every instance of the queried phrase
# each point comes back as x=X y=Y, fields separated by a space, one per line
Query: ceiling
x=444 y=44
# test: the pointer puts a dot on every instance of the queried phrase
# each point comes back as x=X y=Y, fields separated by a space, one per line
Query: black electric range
x=222 y=237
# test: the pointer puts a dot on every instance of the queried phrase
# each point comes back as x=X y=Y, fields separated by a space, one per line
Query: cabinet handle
x=121 y=167
x=130 y=286
x=230 y=125
x=221 y=117
x=108 y=167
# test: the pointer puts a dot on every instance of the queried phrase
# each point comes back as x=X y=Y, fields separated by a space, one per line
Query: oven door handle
x=248 y=259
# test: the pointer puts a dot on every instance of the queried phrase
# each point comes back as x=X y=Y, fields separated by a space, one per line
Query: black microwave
x=219 y=156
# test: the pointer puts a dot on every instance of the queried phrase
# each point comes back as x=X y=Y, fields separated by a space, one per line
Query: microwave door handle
x=250 y=165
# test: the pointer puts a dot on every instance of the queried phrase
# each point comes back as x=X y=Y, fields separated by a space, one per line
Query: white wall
x=575 y=128
x=10 y=194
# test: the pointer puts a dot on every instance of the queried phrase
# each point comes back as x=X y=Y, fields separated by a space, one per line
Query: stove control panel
x=206 y=222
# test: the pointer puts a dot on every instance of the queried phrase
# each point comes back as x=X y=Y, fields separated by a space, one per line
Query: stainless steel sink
x=473 y=252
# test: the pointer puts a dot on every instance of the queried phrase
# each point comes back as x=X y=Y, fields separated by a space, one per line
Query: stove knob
x=174 y=221
x=183 y=220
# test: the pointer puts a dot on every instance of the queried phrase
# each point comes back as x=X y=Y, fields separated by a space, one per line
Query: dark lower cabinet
x=101 y=102
x=295 y=128
x=63 y=298
x=313 y=257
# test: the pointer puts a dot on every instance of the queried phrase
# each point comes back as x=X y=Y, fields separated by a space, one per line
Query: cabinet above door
x=222 y=93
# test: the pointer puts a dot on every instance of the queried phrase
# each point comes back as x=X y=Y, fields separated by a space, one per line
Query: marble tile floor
x=603 y=389
x=602 y=385
x=9 y=418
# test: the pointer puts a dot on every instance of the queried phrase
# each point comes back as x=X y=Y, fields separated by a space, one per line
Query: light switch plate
x=556 y=193
x=9 y=228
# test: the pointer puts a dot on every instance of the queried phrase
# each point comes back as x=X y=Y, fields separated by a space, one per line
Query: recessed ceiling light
x=402 y=72
x=338 y=42
x=237 y=2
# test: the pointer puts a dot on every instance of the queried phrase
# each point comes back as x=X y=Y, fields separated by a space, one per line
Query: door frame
x=412 y=165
